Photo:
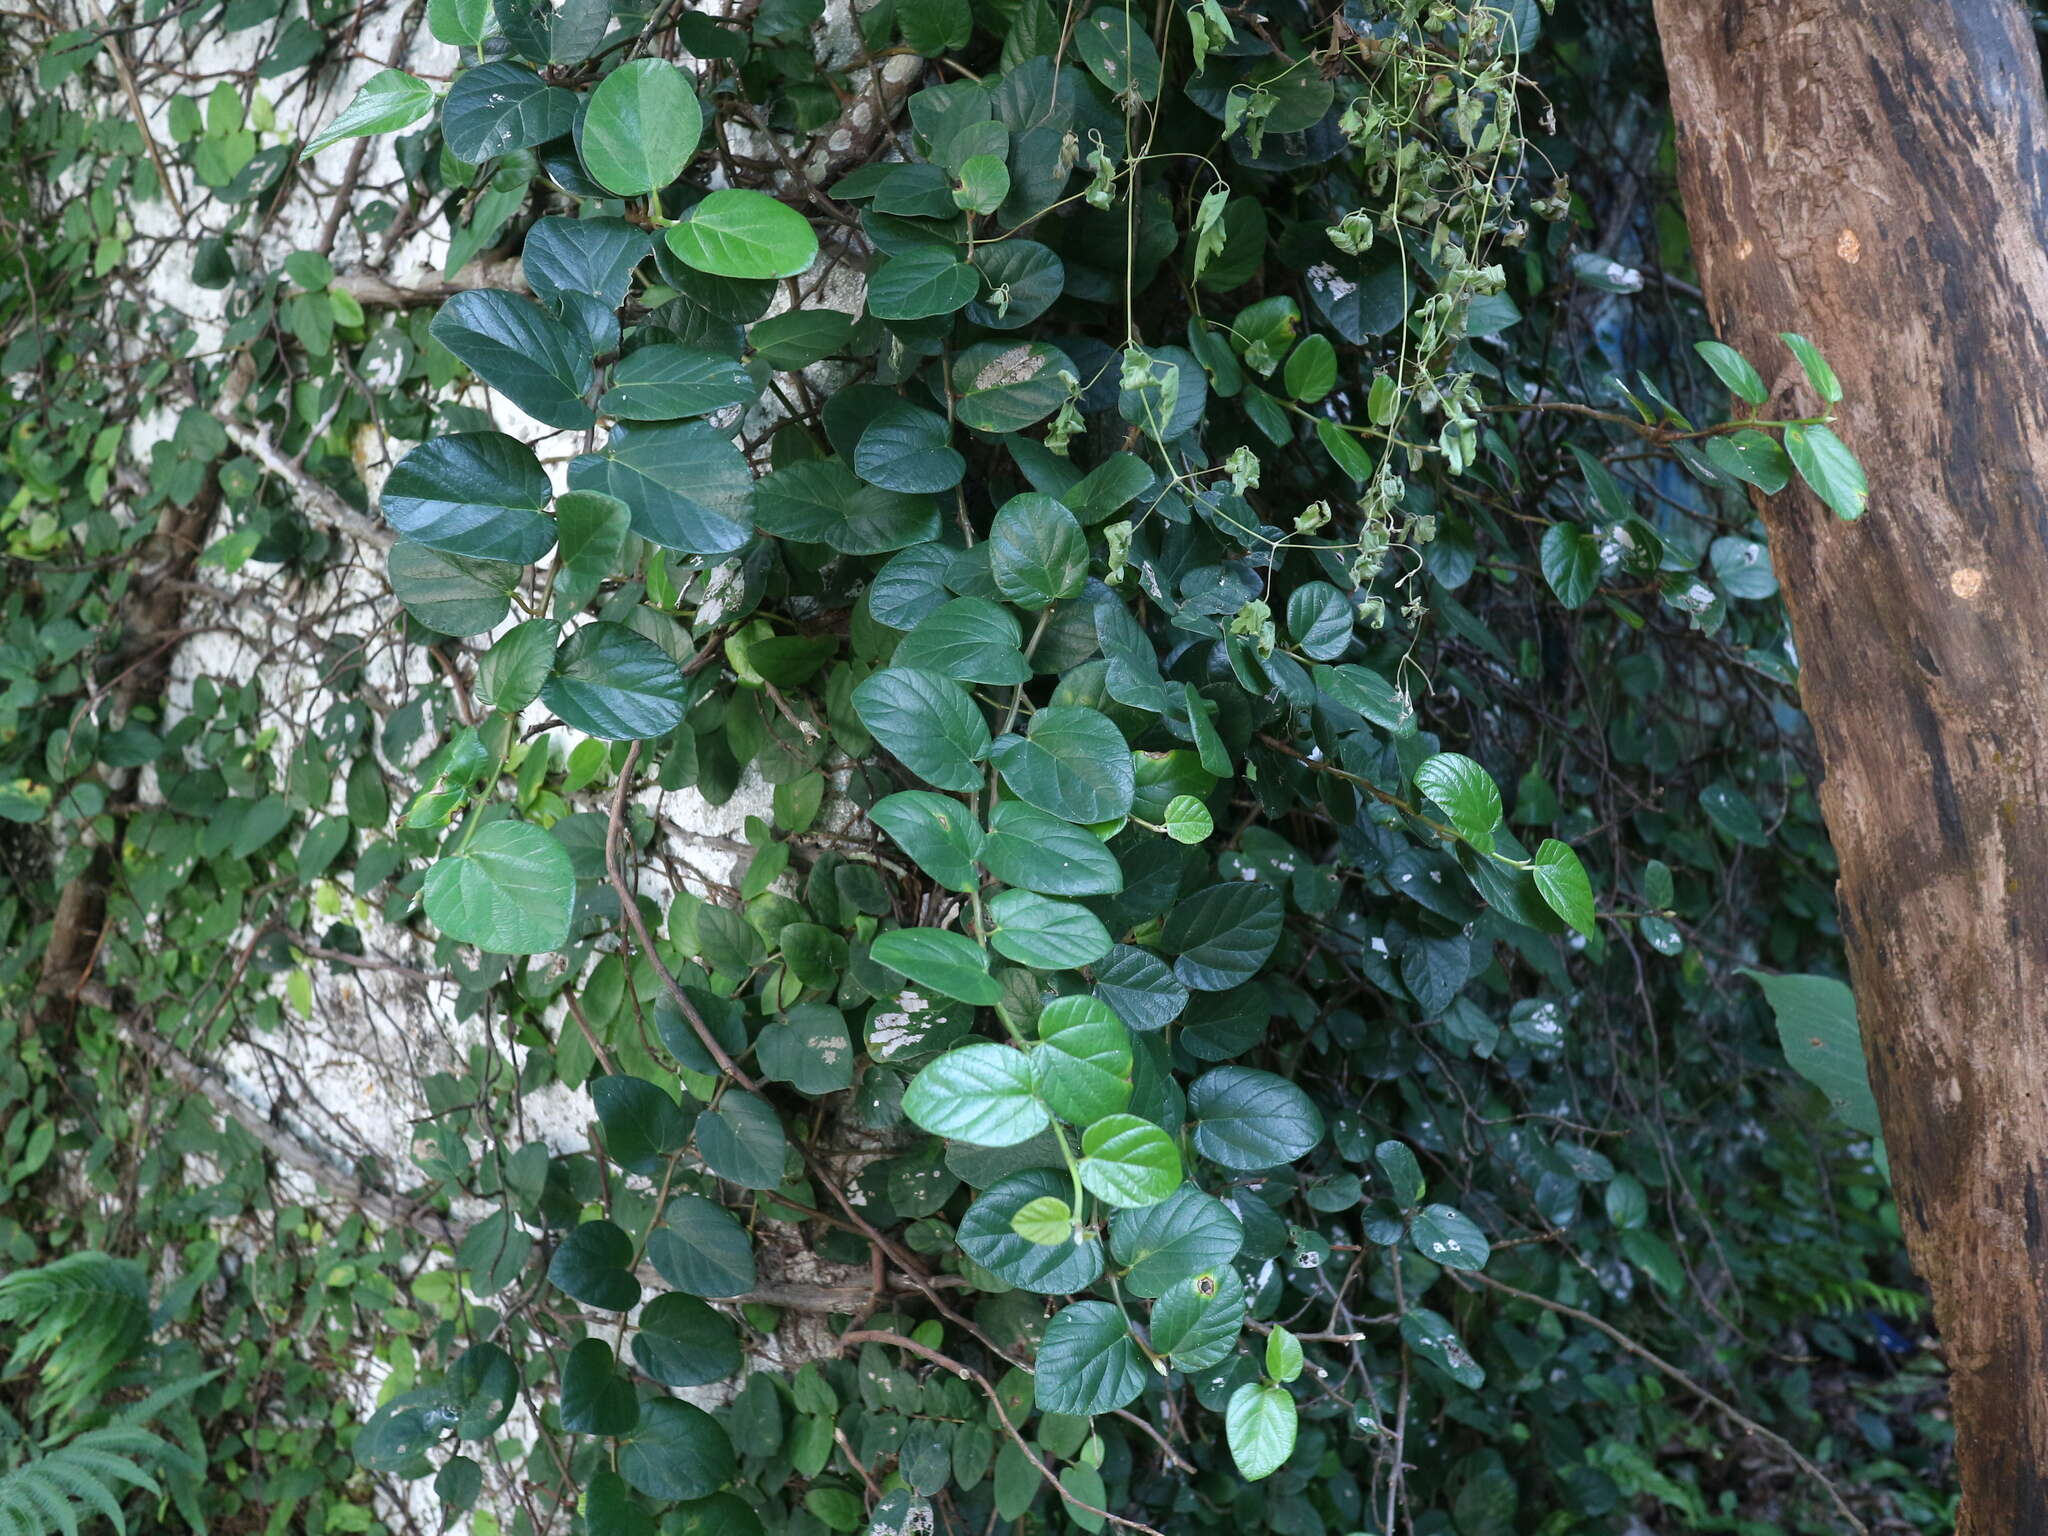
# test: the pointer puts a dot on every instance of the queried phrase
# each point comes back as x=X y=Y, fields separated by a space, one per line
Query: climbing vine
x=1270 y=752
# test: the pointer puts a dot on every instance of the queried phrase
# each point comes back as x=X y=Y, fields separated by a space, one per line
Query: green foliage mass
x=1278 y=754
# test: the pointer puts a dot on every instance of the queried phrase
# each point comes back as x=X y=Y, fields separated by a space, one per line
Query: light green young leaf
x=984 y=1094
x=1260 y=1426
x=1561 y=879
x=389 y=100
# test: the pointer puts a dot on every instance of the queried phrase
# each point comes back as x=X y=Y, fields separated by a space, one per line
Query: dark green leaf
x=614 y=683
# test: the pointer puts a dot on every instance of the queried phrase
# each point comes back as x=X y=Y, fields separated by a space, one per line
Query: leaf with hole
x=936 y=831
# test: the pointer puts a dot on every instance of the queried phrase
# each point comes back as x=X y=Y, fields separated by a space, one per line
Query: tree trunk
x=1874 y=174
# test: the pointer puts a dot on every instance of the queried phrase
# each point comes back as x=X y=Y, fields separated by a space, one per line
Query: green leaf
x=1734 y=370
x=1570 y=557
x=614 y=683
x=1431 y=1336
x=929 y=722
x=663 y=382
x=799 y=337
x=1825 y=463
x=905 y=449
x=1188 y=820
x=982 y=184
x=935 y=831
x=1247 y=1119
x=1223 y=934
x=921 y=283
x=596 y=1399
x=477 y=494
x=522 y=351
x=1561 y=878
x=1818 y=373
x=1045 y=934
x=1260 y=1426
x=595 y=1266
x=1088 y=1363
x=1140 y=987
x=511 y=891
x=1082 y=1064
x=459 y=23
x=502 y=106
x=1403 y=1173
x=642 y=1124
x=1044 y=1221
x=969 y=639
x=1445 y=1235
x=818 y=501
x=1467 y=794
x=1127 y=1161
x=1007 y=386
x=1311 y=369
x=681 y=1342
x=640 y=128
x=388 y=101
x=950 y=964
x=1119 y=52
x=510 y=675
x=449 y=593
x=1817 y=1027
x=1073 y=764
x=988 y=1236
x=593 y=528
x=1037 y=551
x=678 y=1451
x=1184 y=1235
x=811 y=1050
x=1196 y=1322
x=1319 y=618
x=700 y=1248
x=741 y=1140
x=1034 y=851
x=1283 y=1355
x=979 y=1093
x=739 y=233
x=686 y=485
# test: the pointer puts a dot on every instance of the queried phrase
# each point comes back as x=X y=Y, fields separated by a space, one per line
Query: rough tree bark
x=1874 y=174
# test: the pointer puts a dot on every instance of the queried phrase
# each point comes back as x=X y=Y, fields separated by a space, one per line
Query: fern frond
x=82 y=1317
x=43 y=1492
x=96 y=1470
